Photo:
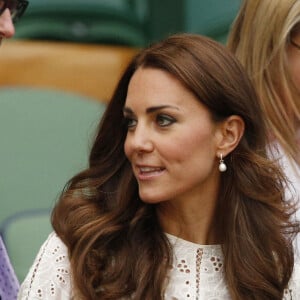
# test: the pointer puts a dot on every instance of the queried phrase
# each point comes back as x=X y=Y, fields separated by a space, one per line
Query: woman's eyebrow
x=155 y=108
x=127 y=110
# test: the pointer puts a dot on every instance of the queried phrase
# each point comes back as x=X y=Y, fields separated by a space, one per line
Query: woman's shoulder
x=293 y=290
x=276 y=151
x=49 y=277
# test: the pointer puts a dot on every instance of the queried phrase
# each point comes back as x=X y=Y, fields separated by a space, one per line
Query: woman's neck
x=189 y=222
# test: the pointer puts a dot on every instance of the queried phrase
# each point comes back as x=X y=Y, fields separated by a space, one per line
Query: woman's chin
x=150 y=198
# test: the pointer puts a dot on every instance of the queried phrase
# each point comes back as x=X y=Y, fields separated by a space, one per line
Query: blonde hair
x=259 y=38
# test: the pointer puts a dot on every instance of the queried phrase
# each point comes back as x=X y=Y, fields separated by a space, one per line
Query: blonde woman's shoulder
x=49 y=277
x=293 y=291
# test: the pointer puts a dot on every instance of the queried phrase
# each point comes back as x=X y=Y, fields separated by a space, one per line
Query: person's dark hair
x=117 y=247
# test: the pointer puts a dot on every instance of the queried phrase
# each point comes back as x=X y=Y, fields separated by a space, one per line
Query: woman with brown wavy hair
x=179 y=200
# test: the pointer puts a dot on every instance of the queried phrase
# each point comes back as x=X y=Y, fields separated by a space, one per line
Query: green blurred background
x=128 y=22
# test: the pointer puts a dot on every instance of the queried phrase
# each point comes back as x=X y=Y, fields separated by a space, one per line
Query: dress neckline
x=175 y=240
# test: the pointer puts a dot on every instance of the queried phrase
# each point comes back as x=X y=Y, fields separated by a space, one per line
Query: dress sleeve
x=9 y=284
x=293 y=291
x=49 y=277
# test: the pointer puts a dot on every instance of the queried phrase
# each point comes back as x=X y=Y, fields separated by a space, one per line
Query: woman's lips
x=149 y=172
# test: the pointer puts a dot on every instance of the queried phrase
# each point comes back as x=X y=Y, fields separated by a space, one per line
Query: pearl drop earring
x=222 y=165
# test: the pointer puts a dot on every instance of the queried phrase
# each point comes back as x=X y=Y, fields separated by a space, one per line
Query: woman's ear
x=230 y=133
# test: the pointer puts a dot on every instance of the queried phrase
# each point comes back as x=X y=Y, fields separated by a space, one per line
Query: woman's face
x=7 y=28
x=171 y=139
x=294 y=58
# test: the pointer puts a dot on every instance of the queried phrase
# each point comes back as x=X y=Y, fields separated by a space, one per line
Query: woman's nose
x=141 y=140
x=7 y=28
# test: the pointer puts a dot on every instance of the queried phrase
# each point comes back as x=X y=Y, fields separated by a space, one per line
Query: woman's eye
x=130 y=123
x=164 y=120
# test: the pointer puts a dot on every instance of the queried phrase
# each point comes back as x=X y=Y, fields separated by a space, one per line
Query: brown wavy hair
x=117 y=248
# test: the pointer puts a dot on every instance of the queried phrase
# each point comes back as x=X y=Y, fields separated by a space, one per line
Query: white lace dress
x=197 y=273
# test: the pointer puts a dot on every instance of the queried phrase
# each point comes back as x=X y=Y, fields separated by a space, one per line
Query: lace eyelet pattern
x=197 y=273
x=49 y=277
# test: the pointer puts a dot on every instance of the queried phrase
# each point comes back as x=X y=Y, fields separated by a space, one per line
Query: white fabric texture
x=197 y=273
x=292 y=172
x=49 y=277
